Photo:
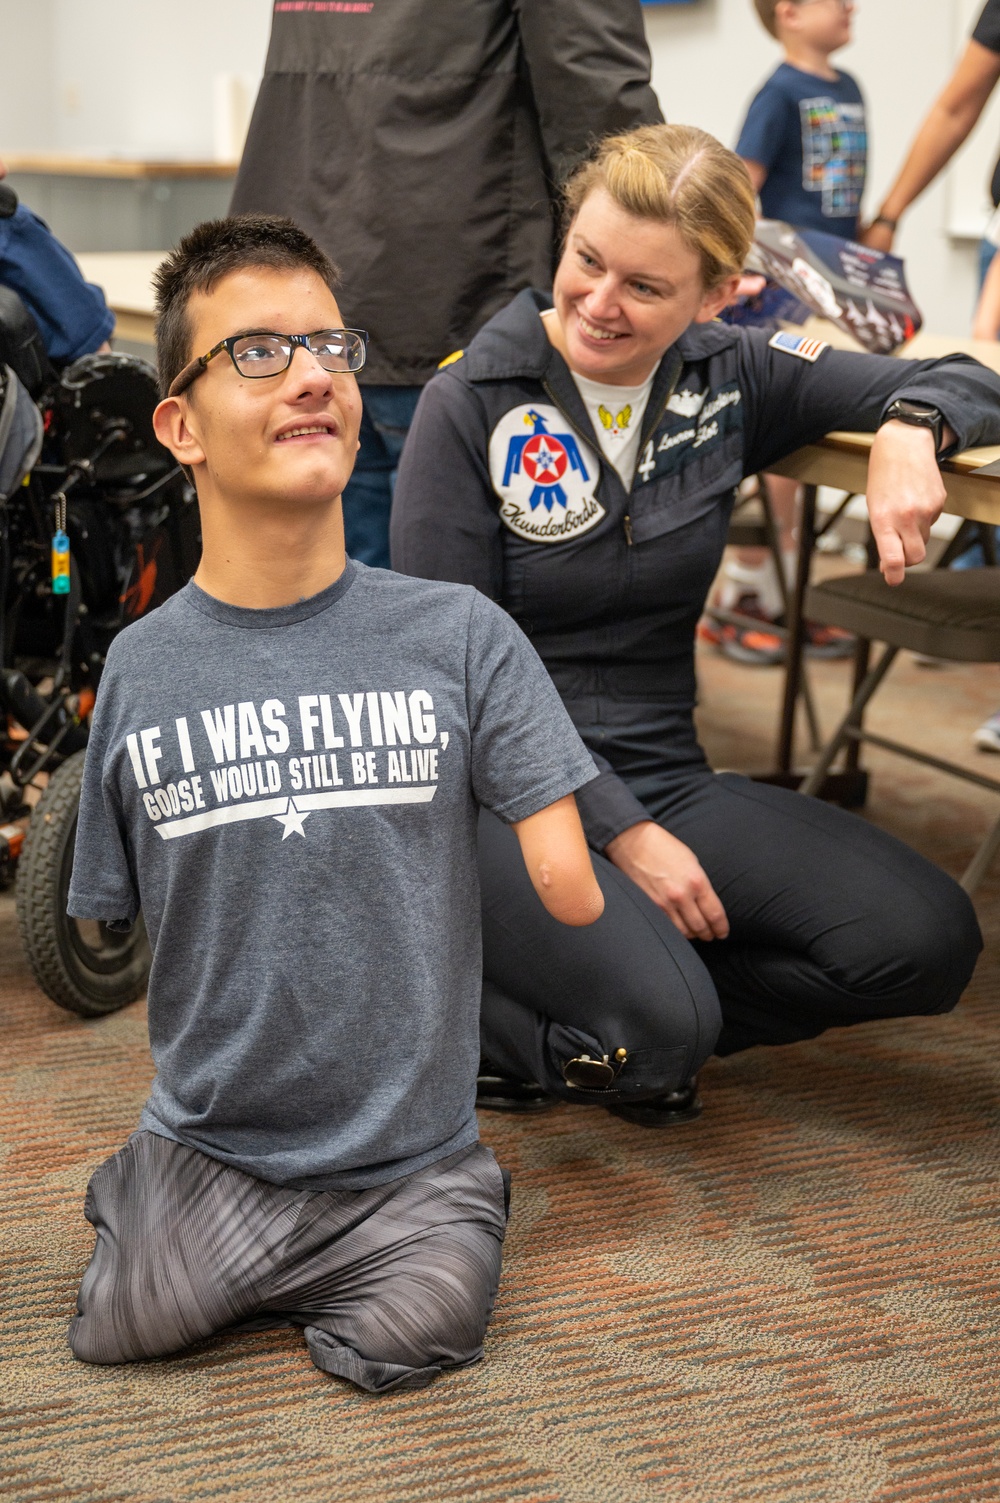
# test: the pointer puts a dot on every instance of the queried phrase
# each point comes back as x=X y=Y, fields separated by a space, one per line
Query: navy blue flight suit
x=502 y=485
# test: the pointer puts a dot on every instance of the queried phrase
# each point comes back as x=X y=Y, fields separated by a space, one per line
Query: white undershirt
x=616 y=414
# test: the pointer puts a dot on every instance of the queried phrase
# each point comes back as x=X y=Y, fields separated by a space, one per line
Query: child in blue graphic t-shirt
x=805 y=145
x=804 y=139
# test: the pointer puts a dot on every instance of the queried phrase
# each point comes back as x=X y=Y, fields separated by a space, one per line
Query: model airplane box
x=862 y=291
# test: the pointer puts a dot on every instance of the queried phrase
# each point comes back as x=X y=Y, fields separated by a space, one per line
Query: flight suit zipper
x=650 y=428
x=589 y=439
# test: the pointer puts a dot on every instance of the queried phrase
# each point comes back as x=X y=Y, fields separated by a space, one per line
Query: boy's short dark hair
x=211 y=251
x=766 y=9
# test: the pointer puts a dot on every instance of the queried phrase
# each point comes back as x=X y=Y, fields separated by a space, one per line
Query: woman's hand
x=751 y=285
x=670 y=873
x=905 y=495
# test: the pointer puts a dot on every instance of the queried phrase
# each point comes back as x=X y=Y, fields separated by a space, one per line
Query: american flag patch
x=798 y=344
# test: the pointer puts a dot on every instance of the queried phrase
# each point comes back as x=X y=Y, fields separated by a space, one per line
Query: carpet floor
x=793 y=1300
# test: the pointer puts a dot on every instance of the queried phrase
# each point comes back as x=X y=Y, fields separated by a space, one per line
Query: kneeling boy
x=284 y=773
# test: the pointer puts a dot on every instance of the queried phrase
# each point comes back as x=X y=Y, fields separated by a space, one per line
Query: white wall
x=710 y=59
x=135 y=77
x=26 y=95
x=123 y=77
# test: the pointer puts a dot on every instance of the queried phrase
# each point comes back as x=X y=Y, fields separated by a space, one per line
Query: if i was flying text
x=376 y=747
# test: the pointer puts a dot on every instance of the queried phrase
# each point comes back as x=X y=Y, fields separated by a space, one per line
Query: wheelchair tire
x=81 y=965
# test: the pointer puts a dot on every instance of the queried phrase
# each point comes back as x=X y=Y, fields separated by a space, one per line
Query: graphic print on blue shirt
x=545 y=476
x=695 y=422
x=376 y=747
x=834 y=154
x=809 y=135
x=291 y=796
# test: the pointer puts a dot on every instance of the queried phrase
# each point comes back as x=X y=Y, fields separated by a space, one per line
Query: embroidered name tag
x=798 y=344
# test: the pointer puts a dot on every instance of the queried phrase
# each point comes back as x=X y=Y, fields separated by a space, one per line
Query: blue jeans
x=388 y=413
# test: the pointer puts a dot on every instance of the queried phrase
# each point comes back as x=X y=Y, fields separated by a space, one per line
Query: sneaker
x=828 y=641
x=754 y=646
x=757 y=645
x=924 y=660
x=987 y=737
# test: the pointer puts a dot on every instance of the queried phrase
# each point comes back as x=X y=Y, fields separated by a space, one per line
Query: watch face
x=914 y=410
x=917 y=414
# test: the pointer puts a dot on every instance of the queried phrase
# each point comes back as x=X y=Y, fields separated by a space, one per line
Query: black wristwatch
x=918 y=415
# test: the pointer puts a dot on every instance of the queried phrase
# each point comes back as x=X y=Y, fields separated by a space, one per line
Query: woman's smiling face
x=625 y=290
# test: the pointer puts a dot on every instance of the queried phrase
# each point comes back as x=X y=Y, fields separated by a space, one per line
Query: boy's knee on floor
x=427 y=1349
x=94 y=1341
x=438 y=1317
x=108 y=1338
x=131 y=1315
x=371 y=1374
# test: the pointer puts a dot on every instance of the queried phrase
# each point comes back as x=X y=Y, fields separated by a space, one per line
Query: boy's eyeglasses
x=265 y=354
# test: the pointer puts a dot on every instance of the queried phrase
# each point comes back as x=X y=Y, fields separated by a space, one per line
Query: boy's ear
x=785 y=11
x=716 y=299
x=171 y=424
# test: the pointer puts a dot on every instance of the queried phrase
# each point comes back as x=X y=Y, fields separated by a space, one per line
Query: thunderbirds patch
x=545 y=476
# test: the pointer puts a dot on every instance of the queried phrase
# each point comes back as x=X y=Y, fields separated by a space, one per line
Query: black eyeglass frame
x=194 y=368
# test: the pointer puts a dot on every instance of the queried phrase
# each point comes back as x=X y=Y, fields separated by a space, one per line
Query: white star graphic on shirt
x=292 y=819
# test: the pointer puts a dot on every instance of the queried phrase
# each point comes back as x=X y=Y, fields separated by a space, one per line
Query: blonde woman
x=577 y=464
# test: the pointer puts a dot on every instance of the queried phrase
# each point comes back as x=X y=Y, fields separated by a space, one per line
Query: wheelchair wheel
x=81 y=964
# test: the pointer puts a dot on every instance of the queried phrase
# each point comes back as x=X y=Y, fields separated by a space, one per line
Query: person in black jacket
x=421 y=144
x=578 y=465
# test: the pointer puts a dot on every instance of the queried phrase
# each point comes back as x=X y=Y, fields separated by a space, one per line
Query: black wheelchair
x=80 y=467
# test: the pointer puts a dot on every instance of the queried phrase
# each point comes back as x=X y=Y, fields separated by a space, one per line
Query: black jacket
x=610 y=584
x=420 y=142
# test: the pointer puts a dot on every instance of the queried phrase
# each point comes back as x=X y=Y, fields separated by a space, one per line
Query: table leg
x=796 y=630
x=862 y=662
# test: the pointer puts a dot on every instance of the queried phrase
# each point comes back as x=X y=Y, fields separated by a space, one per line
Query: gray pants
x=391 y=1284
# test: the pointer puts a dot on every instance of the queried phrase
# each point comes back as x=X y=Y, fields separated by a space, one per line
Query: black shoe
x=502 y=1093
x=669 y=1110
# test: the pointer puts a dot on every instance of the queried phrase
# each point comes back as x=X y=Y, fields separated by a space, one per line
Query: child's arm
x=558 y=861
x=764 y=134
x=986 y=324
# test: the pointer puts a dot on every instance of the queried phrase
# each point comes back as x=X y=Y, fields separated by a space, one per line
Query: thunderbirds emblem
x=545 y=478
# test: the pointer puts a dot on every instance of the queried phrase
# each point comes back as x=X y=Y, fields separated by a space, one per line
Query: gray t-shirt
x=291 y=797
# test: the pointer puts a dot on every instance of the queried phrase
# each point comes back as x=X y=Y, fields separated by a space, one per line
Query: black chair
x=950 y=614
x=752 y=525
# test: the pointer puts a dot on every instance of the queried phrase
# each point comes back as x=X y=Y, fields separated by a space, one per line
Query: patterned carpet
x=792 y=1300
